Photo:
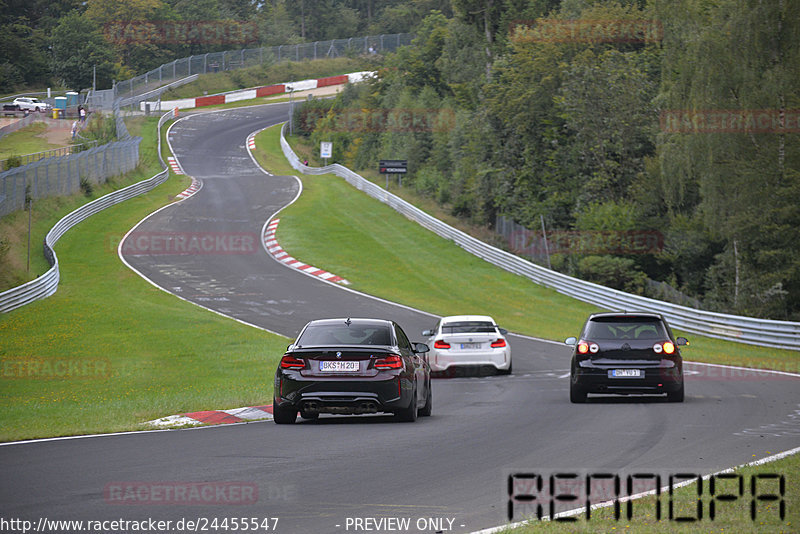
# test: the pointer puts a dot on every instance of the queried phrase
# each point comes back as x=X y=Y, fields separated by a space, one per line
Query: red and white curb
x=272 y=246
x=215 y=417
x=174 y=165
x=251 y=141
x=191 y=190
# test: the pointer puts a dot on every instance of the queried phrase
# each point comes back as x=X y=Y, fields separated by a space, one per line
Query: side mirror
x=503 y=331
x=682 y=341
x=427 y=333
x=571 y=341
x=420 y=348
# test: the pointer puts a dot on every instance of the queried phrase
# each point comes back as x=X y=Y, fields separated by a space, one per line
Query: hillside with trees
x=678 y=118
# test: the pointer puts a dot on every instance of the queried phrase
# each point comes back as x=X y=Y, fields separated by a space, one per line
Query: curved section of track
x=315 y=475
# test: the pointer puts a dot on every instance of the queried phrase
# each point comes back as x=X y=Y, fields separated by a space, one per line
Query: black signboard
x=393 y=166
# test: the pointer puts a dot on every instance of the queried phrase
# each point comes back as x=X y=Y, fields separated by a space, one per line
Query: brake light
x=291 y=362
x=439 y=344
x=392 y=361
x=583 y=347
x=499 y=343
x=667 y=347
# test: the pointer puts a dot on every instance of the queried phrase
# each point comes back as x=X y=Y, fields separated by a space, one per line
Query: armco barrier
x=763 y=332
x=46 y=285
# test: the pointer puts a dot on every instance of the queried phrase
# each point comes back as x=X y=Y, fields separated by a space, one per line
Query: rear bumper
x=443 y=360
x=665 y=378
x=350 y=396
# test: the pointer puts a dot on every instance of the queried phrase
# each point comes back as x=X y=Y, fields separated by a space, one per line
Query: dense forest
x=59 y=42
x=676 y=118
x=673 y=117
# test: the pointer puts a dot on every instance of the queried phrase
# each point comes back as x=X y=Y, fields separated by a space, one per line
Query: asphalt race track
x=313 y=476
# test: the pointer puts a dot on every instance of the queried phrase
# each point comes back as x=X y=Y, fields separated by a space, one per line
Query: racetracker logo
x=181 y=493
x=586 y=31
x=55 y=369
x=396 y=120
x=530 y=242
x=731 y=121
x=185 y=243
x=169 y=32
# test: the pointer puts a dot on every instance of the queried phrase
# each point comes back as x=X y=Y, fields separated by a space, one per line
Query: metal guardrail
x=763 y=332
x=47 y=284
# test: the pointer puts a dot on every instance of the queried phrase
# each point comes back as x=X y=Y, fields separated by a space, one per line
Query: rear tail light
x=439 y=344
x=666 y=347
x=291 y=362
x=499 y=343
x=583 y=347
x=593 y=348
x=392 y=361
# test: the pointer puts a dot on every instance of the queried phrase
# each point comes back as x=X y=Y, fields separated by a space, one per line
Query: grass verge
x=109 y=351
x=25 y=141
x=337 y=228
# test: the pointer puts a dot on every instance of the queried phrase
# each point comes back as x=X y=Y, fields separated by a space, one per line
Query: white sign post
x=326 y=150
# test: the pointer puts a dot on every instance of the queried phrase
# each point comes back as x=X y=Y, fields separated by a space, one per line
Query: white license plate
x=339 y=367
x=470 y=345
x=625 y=373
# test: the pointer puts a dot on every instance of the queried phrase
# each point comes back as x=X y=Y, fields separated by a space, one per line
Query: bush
x=13 y=161
x=86 y=187
x=614 y=272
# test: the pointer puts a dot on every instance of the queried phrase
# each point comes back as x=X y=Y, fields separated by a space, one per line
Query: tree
x=78 y=47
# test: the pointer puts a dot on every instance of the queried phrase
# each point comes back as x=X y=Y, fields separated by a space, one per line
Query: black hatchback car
x=352 y=366
x=623 y=353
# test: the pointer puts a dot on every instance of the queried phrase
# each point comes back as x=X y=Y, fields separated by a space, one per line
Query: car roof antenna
x=348 y=321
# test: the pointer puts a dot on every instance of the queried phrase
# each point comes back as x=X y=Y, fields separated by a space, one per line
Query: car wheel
x=309 y=415
x=283 y=416
x=409 y=415
x=426 y=410
x=577 y=395
x=506 y=371
x=675 y=396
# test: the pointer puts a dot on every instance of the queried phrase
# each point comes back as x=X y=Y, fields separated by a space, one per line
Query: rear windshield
x=625 y=328
x=465 y=327
x=326 y=335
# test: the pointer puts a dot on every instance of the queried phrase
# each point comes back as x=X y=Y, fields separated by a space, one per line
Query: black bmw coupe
x=352 y=366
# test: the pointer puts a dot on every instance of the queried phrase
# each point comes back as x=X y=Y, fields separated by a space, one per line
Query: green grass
x=25 y=141
x=162 y=355
x=46 y=212
x=729 y=517
x=285 y=71
x=335 y=227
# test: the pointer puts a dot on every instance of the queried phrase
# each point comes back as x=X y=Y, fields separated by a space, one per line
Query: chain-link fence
x=248 y=57
x=66 y=175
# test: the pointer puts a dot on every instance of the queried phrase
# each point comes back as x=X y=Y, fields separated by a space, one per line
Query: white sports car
x=468 y=340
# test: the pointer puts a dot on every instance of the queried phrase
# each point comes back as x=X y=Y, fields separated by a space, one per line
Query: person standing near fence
x=74 y=129
x=82 y=113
